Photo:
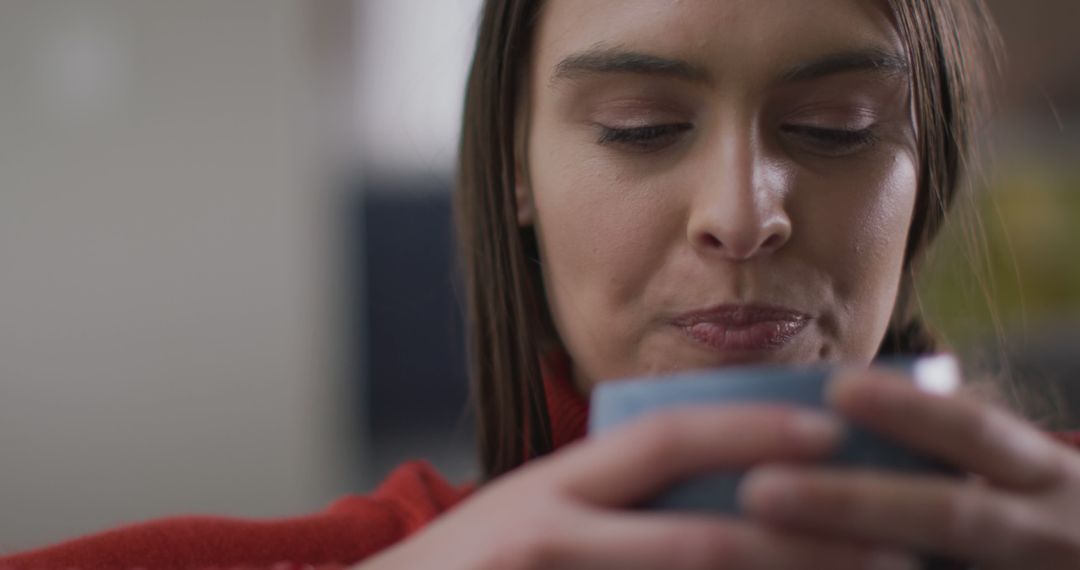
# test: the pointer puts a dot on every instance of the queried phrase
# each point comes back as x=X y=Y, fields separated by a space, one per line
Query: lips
x=743 y=328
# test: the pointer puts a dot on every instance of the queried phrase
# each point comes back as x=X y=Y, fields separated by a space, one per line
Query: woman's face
x=717 y=182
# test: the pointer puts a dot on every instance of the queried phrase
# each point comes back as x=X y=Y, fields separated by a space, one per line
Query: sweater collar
x=568 y=409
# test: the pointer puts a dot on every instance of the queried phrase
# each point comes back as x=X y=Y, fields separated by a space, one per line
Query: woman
x=650 y=186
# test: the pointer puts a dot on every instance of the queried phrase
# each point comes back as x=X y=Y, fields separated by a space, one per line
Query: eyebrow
x=600 y=61
x=871 y=60
x=610 y=61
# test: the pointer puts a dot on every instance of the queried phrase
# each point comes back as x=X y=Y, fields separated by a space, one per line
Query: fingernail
x=892 y=560
x=865 y=390
x=843 y=377
x=769 y=490
x=815 y=428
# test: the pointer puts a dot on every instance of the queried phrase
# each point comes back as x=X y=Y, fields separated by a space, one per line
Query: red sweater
x=349 y=530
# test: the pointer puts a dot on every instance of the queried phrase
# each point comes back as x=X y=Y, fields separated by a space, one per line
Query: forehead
x=725 y=39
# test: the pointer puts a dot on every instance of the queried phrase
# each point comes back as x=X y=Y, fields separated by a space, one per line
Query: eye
x=832 y=142
x=642 y=139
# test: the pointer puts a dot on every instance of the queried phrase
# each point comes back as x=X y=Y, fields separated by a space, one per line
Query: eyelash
x=648 y=137
x=836 y=142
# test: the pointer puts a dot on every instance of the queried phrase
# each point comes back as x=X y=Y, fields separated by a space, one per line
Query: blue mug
x=615 y=403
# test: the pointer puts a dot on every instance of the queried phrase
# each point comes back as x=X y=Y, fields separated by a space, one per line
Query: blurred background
x=226 y=279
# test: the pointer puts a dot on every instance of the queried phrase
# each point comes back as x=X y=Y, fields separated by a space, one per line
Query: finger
x=636 y=461
x=968 y=433
x=962 y=519
x=684 y=542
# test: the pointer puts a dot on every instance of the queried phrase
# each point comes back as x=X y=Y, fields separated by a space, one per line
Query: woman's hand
x=565 y=511
x=1019 y=509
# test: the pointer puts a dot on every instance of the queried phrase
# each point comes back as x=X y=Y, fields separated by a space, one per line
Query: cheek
x=860 y=230
x=603 y=239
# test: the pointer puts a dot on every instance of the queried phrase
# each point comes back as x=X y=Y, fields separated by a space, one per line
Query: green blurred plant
x=1014 y=264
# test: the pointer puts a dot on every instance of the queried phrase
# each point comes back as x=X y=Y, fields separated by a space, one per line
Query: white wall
x=165 y=275
x=412 y=61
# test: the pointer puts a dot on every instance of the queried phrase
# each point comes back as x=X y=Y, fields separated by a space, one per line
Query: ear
x=526 y=209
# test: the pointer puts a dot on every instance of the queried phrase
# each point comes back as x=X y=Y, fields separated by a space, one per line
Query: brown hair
x=507 y=323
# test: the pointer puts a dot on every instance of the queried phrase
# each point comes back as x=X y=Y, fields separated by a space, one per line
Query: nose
x=738 y=210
